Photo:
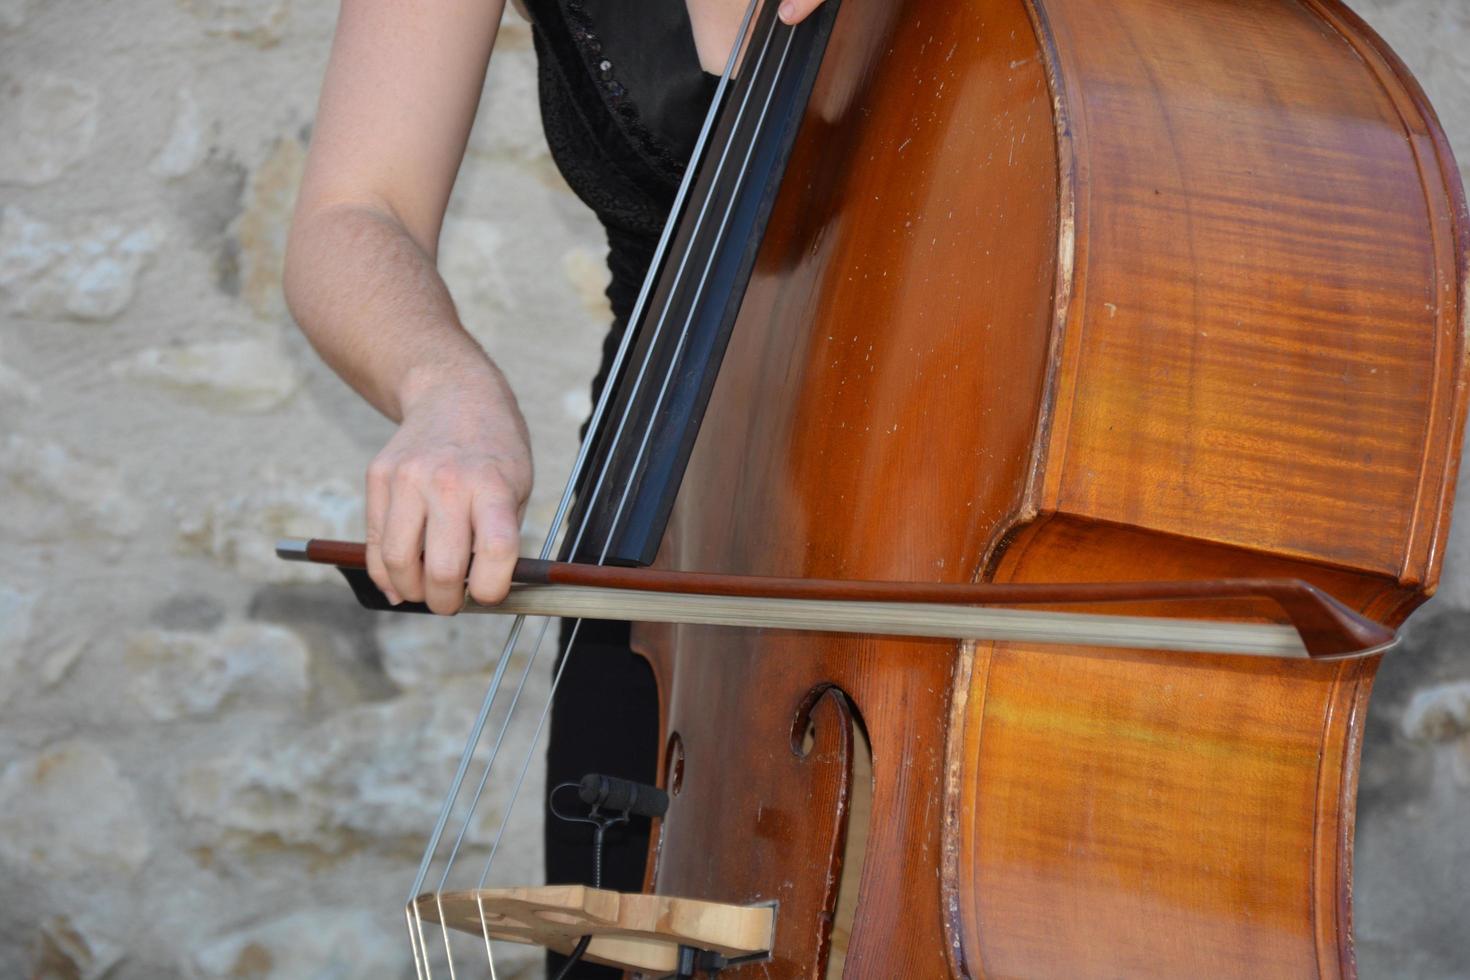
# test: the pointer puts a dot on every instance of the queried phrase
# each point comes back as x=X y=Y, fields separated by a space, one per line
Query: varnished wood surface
x=852 y=436
x=1204 y=824
x=1265 y=293
x=1088 y=290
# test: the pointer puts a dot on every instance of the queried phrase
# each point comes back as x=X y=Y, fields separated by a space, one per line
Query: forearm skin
x=373 y=304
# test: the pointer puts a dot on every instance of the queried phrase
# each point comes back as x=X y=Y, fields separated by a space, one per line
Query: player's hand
x=450 y=486
x=796 y=11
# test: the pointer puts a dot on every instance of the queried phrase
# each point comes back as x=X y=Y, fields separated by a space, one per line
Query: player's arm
x=399 y=98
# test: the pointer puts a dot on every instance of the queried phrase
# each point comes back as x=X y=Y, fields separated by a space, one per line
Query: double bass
x=1000 y=294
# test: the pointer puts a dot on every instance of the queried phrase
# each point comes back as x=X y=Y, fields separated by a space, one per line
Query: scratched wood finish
x=1069 y=290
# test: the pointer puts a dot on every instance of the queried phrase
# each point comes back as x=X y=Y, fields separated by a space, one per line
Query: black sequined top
x=623 y=97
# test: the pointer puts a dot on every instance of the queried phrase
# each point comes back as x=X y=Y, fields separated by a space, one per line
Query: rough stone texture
x=261 y=229
x=240 y=529
x=212 y=764
x=65 y=952
x=51 y=492
x=244 y=374
x=375 y=772
x=332 y=943
x=186 y=144
x=70 y=811
x=1439 y=714
x=29 y=661
x=260 y=23
x=317 y=944
x=178 y=674
x=17 y=608
x=15 y=388
x=51 y=122
x=86 y=272
x=419 y=651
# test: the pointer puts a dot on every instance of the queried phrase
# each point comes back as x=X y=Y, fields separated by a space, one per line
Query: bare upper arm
x=399 y=98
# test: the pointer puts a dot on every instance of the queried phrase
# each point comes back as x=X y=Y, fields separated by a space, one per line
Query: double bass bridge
x=649 y=933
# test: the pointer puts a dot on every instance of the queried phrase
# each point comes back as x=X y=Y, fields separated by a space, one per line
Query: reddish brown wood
x=1075 y=290
x=342 y=554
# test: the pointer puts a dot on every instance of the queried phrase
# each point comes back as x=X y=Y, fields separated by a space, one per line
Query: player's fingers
x=497 y=544
x=796 y=11
x=379 y=476
x=403 y=538
x=446 y=542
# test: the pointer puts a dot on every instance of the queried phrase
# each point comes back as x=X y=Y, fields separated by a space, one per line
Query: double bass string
x=643 y=443
x=622 y=425
x=618 y=435
x=663 y=390
x=579 y=465
x=658 y=329
x=558 y=520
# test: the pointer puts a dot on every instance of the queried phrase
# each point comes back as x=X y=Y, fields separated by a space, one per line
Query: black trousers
x=604 y=720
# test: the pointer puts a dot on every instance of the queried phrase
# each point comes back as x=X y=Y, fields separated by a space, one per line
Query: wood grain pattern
x=1072 y=290
x=1203 y=798
x=1261 y=300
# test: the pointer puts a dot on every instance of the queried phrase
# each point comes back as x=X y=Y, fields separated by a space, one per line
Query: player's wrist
x=470 y=376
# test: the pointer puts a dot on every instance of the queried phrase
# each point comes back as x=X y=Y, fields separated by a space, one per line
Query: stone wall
x=211 y=765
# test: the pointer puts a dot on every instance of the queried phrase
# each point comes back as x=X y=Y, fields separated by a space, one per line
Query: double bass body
x=1068 y=290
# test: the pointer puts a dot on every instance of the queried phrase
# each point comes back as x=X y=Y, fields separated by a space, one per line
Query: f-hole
x=857 y=821
x=855 y=847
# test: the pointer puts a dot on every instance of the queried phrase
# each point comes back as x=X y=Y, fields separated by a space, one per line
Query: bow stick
x=1321 y=627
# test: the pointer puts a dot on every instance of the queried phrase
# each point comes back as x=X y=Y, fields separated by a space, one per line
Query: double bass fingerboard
x=659 y=399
